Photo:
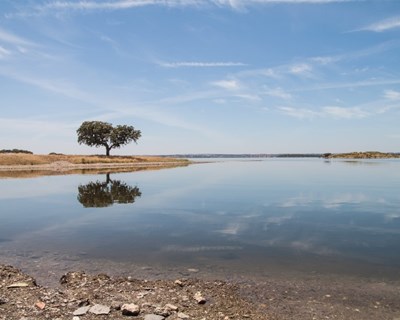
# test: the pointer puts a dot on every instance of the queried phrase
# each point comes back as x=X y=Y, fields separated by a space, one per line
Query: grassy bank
x=19 y=159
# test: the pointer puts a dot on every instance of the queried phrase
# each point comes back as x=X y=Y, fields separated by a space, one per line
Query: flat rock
x=130 y=309
x=99 y=309
x=182 y=315
x=81 y=311
x=153 y=317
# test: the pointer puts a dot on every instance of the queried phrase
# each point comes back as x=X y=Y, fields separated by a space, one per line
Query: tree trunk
x=108 y=148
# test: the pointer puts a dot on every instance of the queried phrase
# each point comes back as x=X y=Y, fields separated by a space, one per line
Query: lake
x=230 y=218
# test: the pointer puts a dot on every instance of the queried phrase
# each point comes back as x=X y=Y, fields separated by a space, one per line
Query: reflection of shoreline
x=87 y=169
x=96 y=194
x=357 y=162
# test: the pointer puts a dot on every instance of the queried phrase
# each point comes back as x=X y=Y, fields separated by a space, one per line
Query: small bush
x=15 y=151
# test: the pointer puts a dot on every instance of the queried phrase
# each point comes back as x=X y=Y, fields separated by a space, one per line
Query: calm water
x=230 y=217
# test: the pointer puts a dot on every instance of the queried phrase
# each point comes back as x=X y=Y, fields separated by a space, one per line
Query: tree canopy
x=103 y=134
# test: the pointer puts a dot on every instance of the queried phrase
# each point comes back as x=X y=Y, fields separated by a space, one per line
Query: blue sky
x=202 y=76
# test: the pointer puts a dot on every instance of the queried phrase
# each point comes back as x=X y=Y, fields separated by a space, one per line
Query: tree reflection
x=104 y=194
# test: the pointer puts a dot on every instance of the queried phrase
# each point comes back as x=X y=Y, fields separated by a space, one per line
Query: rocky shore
x=80 y=296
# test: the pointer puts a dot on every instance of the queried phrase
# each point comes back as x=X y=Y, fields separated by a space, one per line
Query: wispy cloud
x=193 y=64
x=237 y=4
x=4 y=52
x=87 y=5
x=300 y=69
x=383 y=25
x=112 y=5
x=325 y=112
x=299 y=113
x=392 y=95
x=278 y=93
x=227 y=84
x=13 y=39
x=344 y=113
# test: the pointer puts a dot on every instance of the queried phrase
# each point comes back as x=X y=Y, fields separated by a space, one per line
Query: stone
x=182 y=315
x=171 y=307
x=81 y=311
x=193 y=270
x=3 y=301
x=99 y=309
x=19 y=285
x=40 y=305
x=179 y=283
x=141 y=295
x=199 y=298
x=76 y=318
x=116 y=305
x=130 y=309
x=153 y=317
x=165 y=312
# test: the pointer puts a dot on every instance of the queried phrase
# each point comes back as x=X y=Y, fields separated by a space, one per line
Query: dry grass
x=11 y=159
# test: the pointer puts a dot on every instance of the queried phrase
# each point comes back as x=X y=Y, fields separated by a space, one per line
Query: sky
x=202 y=76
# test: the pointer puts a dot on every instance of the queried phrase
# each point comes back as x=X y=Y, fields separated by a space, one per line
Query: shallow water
x=225 y=218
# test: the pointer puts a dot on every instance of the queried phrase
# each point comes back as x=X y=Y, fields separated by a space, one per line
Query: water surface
x=229 y=217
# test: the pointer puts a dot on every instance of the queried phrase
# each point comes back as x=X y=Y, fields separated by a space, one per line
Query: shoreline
x=67 y=166
x=270 y=298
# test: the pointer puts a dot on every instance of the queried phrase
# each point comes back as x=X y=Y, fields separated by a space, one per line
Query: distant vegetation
x=362 y=155
x=15 y=151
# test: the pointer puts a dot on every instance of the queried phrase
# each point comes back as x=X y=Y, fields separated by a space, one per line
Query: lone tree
x=98 y=134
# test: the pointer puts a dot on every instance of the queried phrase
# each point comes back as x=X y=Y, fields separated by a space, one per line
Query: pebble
x=40 y=305
x=130 y=309
x=199 y=298
x=81 y=311
x=182 y=315
x=153 y=317
x=18 y=285
x=75 y=318
x=171 y=307
x=179 y=283
x=99 y=309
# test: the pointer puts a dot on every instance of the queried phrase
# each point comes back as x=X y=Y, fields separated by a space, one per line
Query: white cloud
x=227 y=84
x=300 y=69
x=325 y=60
x=383 y=25
x=200 y=64
x=299 y=113
x=278 y=93
x=4 y=52
x=93 y=5
x=325 y=112
x=112 y=5
x=346 y=113
x=8 y=37
x=392 y=94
